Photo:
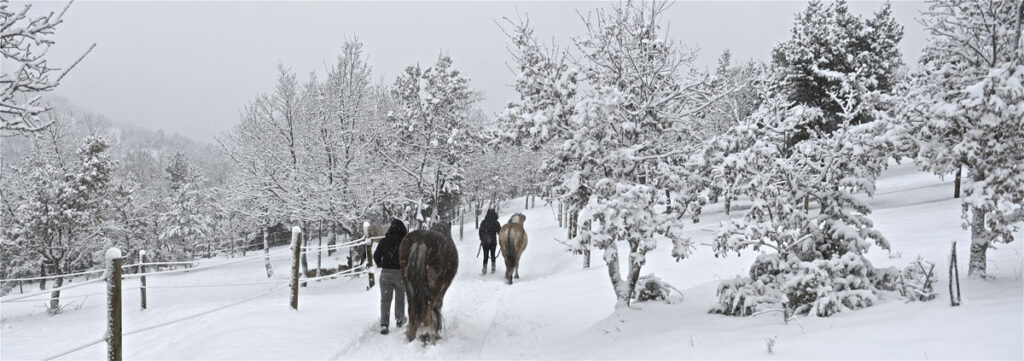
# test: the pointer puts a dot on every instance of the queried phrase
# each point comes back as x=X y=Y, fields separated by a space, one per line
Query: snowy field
x=559 y=310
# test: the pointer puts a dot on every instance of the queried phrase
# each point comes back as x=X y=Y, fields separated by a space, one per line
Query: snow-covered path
x=558 y=310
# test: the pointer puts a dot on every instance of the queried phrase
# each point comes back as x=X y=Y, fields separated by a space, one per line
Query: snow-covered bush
x=652 y=288
x=885 y=279
x=762 y=291
x=743 y=296
x=917 y=281
x=826 y=287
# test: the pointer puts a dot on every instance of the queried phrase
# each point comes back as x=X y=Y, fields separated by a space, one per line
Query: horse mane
x=517 y=218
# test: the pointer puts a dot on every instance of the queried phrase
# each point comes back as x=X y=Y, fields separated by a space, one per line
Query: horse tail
x=417 y=271
x=510 y=248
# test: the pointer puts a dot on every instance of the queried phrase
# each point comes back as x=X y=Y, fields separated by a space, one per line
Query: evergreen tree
x=833 y=52
x=66 y=211
x=187 y=218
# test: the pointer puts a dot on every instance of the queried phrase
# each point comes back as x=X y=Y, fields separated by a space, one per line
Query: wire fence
x=309 y=250
x=292 y=252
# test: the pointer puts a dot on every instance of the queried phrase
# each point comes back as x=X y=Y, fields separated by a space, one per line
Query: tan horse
x=512 y=239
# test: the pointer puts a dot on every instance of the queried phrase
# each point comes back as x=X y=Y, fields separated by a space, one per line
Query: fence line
x=295 y=251
x=43 y=292
x=355 y=271
x=147 y=328
x=51 y=277
x=312 y=249
x=214 y=285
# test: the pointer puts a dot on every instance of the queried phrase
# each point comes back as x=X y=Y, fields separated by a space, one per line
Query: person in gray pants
x=391 y=283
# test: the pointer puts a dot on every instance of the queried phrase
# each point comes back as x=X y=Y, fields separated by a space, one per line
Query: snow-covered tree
x=828 y=45
x=25 y=73
x=804 y=217
x=65 y=211
x=620 y=119
x=964 y=109
x=187 y=219
x=432 y=135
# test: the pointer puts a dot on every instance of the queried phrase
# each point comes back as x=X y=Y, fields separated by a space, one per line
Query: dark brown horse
x=429 y=261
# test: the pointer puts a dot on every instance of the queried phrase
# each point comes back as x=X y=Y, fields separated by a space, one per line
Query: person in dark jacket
x=391 y=283
x=489 y=228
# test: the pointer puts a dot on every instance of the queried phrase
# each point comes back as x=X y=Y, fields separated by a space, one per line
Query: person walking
x=489 y=229
x=391 y=283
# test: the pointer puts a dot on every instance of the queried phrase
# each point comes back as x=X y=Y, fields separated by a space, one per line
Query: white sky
x=188 y=67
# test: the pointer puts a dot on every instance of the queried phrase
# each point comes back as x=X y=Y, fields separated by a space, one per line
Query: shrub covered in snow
x=826 y=287
x=917 y=281
x=651 y=288
x=762 y=291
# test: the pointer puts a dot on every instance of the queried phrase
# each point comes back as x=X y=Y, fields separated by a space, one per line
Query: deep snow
x=559 y=310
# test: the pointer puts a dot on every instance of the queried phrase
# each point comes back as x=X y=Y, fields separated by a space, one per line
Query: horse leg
x=517 y=272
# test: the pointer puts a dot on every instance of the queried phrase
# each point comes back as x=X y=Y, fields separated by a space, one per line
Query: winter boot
x=383 y=329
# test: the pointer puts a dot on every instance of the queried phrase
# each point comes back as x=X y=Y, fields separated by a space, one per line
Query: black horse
x=429 y=261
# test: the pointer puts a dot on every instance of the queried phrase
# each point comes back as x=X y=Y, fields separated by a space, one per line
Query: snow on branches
x=965 y=108
x=432 y=133
x=25 y=73
x=615 y=124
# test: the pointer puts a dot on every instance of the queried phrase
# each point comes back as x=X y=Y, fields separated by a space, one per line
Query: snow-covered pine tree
x=620 y=136
x=964 y=109
x=815 y=262
x=828 y=44
x=65 y=211
x=187 y=219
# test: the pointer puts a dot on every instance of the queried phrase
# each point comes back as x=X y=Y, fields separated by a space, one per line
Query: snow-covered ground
x=559 y=310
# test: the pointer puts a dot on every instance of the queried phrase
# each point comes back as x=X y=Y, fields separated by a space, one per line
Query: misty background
x=188 y=67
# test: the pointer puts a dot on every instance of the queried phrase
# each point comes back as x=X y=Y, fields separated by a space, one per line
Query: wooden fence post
x=142 y=271
x=954 y=274
x=113 y=258
x=369 y=253
x=295 y=266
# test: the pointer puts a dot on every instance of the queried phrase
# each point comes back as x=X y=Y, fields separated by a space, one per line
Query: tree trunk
x=980 y=240
x=476 y=211
x=55 y=295
x=42 y=273
x=956 y=182
x=305 y=247
x=266 y=253
x=586 y=258
x=621 y=288
x=728 y=205
x=560 y=223
x=320 y=246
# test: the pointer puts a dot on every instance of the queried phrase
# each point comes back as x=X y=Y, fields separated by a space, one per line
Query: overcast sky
x=188 y=67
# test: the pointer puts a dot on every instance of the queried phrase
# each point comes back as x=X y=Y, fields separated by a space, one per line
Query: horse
x=512 y=240
x=429 y=261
